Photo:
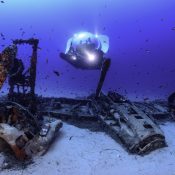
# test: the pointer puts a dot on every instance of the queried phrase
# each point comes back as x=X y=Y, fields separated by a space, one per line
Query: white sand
x=95 y=153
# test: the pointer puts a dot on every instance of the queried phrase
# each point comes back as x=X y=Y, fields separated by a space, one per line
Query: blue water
x=142 y=43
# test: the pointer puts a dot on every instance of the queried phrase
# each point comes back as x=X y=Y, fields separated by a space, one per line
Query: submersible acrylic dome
x=100 y=41
x=86 y=50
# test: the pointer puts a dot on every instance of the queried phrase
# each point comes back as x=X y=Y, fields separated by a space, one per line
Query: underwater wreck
x=29 y=123
x=20 y=126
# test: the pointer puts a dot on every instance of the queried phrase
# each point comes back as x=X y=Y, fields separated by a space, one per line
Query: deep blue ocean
x=142 y=43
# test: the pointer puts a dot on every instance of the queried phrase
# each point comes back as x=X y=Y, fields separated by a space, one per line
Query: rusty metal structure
x=6 y=61
x=21 y=130
x=33 y=61
x=20 y=126
x=24 y=80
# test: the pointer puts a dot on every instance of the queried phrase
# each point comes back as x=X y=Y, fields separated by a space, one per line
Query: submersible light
x=86 y=50
x=91 y=57
x=74 y=58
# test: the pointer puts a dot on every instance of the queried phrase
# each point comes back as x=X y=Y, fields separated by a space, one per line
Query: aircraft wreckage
x=20 y=127
x=29 y=123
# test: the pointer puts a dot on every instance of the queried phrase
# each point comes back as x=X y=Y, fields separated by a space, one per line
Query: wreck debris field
x=87 y=87
x=101 y=155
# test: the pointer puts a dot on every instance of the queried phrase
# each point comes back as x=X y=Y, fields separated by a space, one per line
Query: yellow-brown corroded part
x=6 y=59
x=10 y=134
x=2 y=75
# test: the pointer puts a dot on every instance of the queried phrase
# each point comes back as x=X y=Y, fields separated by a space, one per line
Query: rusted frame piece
x=34 y=43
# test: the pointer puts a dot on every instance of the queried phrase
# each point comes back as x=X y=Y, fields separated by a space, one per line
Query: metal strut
x=104 y=70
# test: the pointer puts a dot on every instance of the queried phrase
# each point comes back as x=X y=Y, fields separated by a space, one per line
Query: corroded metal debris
x=6 y=61
x=171 y=104
x=22 y=131
x=158 y=110
x=20 y=127
x=123 y=119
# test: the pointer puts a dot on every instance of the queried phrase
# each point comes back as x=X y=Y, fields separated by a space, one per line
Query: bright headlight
x=74 y=58
x=91 y=57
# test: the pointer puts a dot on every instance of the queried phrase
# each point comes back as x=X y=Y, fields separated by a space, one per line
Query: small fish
x=147 y=51
x=57 y=73
x=2 y=35
x=161 y=86
x=23 y=33
x=2 y=2
x=146 y=99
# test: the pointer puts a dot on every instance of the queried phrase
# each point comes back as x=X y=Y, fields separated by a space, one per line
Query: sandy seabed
x=82 y=152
